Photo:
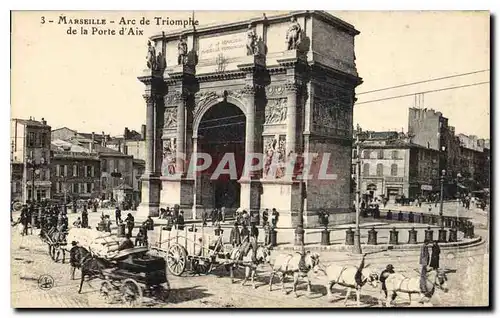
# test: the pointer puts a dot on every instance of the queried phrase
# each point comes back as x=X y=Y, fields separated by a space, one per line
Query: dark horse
x=90 y=266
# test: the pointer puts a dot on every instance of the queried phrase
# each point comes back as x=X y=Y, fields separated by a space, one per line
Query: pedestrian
x=274 y=218
x=234 y=236
x=265 y=217
x=213 y=216
x=130 y=223
x=434 y=261
x=223 y=213
x=118 y=215
x=24 y=219
x=204 y=216
x=142 y=236
x=74 y=258
x=383 y=276
x=267 y=234
x=107 y=222
x=424 y=254
x=149 y=223
x=245 y=218
x=180 y=221
x=85 y=219
x=219 y=215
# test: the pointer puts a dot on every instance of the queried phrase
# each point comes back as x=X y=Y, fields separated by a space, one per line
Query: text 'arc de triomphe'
x=277 y=86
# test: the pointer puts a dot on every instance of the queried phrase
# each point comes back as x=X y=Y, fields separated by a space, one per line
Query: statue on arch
x=151 y=57
x=161 y=63
x=293 y=34
x=182 y=51
x=251 y=41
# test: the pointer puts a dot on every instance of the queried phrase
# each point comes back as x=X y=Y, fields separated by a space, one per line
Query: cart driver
x=126 y=244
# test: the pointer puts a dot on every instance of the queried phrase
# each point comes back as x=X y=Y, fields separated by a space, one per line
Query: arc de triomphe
x=278 y=86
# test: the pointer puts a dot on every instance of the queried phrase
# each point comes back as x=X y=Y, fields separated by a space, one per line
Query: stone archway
x=220 y=132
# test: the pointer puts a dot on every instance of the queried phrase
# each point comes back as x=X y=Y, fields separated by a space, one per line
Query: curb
x=382 y=247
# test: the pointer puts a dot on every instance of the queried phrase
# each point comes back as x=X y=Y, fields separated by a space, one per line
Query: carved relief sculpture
x=251 y=41
x=275 y=112
x=274 y=155
x=151 y=57
x=182 y=51
x=168 y=165
x=170 y=117
x=293 y=34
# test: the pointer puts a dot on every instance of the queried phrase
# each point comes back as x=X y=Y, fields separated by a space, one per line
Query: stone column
x=249 y=97
x=181 y=127
x=194 y=162
x=150 y=128
x=291 y=118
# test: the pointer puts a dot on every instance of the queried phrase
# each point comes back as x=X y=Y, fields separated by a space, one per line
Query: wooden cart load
x=196 y=247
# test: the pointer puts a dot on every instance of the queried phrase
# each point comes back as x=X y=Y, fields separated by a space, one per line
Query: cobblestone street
x=30 y=260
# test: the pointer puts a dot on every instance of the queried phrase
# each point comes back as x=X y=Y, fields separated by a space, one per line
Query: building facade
x=284 y=84
x=392 y=166
x=116 y=170
x=75 y=172
x=30 y=149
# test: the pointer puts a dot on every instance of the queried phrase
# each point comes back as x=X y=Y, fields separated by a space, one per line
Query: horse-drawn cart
x=193 y=247
x=133 y=274
x=126 y=275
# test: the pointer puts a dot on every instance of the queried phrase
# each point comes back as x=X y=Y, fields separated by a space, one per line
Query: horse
x=351 y=277
x=262 y=256
x=90 y=266
x=297 y=264
x=411 y=285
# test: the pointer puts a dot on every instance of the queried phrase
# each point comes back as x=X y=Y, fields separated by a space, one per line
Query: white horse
x=348 y=276
x=262 y=256
x=297 y=264
x=411 y=285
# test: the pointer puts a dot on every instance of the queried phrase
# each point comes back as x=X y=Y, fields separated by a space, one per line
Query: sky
x=89 y=83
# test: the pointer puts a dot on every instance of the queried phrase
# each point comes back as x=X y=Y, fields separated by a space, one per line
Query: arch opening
x=221 y=135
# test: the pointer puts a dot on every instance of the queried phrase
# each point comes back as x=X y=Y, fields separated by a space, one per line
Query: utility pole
x=357 y=233
x=443 y=173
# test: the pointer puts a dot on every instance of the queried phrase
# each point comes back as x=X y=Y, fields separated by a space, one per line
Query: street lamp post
x=440 y=221
x=31 y=163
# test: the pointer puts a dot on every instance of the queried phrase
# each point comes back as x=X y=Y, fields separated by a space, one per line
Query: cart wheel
x=176 y=259
x=131 y=292
x=106 y=291
x=161 y=292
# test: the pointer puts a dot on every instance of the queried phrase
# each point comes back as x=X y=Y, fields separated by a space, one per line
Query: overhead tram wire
x=365 y=102
x=422 y=92
x=423 y=81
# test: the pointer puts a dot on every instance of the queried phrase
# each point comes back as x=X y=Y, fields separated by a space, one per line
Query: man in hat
x=74 y=258
x=383 y=277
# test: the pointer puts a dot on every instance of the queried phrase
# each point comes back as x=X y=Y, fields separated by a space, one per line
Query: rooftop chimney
x=143 y=132
x=102 y=140
x=125 y=133
x=119 y=145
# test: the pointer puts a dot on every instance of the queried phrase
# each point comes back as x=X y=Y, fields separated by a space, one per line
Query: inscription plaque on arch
x=231 y=45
